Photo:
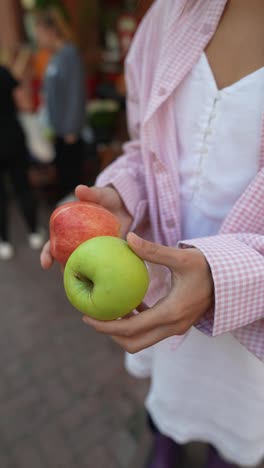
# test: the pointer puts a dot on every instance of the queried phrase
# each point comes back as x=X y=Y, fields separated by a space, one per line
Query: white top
x=211 y=389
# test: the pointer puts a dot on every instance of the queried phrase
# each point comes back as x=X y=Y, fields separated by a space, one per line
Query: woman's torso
x=217 y=160
x=208 y=389
x=219 y=137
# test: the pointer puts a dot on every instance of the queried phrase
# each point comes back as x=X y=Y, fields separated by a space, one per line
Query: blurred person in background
x=14 y=157
x=64 y=95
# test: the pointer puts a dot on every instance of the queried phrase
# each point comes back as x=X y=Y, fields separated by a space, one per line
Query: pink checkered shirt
x=168 y=44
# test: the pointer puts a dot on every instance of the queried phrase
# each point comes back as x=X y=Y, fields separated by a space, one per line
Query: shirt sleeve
x=237 y=266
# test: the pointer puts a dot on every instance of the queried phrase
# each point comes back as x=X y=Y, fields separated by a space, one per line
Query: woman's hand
x=190 y=297
x=46 y=259
x=107 y=197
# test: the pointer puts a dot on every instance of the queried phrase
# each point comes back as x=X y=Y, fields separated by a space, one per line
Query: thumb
x=90 y=194
x=105 y=196
x=152 y=252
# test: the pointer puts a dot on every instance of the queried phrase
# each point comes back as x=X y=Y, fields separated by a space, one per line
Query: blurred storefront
x=92 y=19
x=11 y=26
x=104 y=30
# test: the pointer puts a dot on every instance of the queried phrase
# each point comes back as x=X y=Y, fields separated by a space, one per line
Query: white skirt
x=208 y=389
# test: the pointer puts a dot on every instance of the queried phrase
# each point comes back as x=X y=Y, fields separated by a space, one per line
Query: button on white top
x=232 y=162
x=159 y=167
x=170 y=223
x=216 y=169
x=162 y=91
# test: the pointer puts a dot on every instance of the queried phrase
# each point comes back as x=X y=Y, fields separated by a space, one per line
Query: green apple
x=105 y=279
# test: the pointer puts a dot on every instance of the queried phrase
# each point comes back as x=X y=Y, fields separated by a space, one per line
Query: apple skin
x=105 y=279
x=74 y=223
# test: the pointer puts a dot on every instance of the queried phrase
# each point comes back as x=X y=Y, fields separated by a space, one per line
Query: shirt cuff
x=238 y=275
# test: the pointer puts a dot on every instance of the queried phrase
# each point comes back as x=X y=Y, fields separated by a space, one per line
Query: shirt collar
x=188 y=32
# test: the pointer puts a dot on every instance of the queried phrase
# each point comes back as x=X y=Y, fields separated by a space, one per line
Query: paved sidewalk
x=65 y=399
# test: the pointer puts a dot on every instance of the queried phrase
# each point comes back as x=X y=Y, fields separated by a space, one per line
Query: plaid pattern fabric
x=261 y=161
x=169 y=42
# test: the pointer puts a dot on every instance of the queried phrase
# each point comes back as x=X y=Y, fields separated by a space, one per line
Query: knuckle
x=131 y=348
x=171 y=316
x=185 y=257
x=153 y=248
x=98 y=327
x=183 y=327
x=150 y=247
x=127 y=332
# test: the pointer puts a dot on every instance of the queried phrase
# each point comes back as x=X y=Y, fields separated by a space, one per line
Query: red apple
x=73 y=223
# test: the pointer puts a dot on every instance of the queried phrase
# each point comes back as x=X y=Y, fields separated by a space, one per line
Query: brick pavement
x=65 y=399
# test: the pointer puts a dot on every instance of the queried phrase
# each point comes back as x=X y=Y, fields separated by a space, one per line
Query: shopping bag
x=39 y=140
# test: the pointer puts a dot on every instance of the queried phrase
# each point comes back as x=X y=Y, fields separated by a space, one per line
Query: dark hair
x=52 y=18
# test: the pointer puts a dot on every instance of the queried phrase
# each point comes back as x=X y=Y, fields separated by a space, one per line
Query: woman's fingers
x=85 y=193
x=105 y=196
x=137 y=343
x=155 y=253
x=46 y=259
x=133 y=325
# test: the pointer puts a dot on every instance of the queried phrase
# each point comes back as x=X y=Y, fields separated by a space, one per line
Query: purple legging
x=167 y=453
x=215 y=461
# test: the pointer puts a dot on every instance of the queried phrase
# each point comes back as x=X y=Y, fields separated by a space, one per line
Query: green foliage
x=42 y=4
x=102 y=113
x=47 y=3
